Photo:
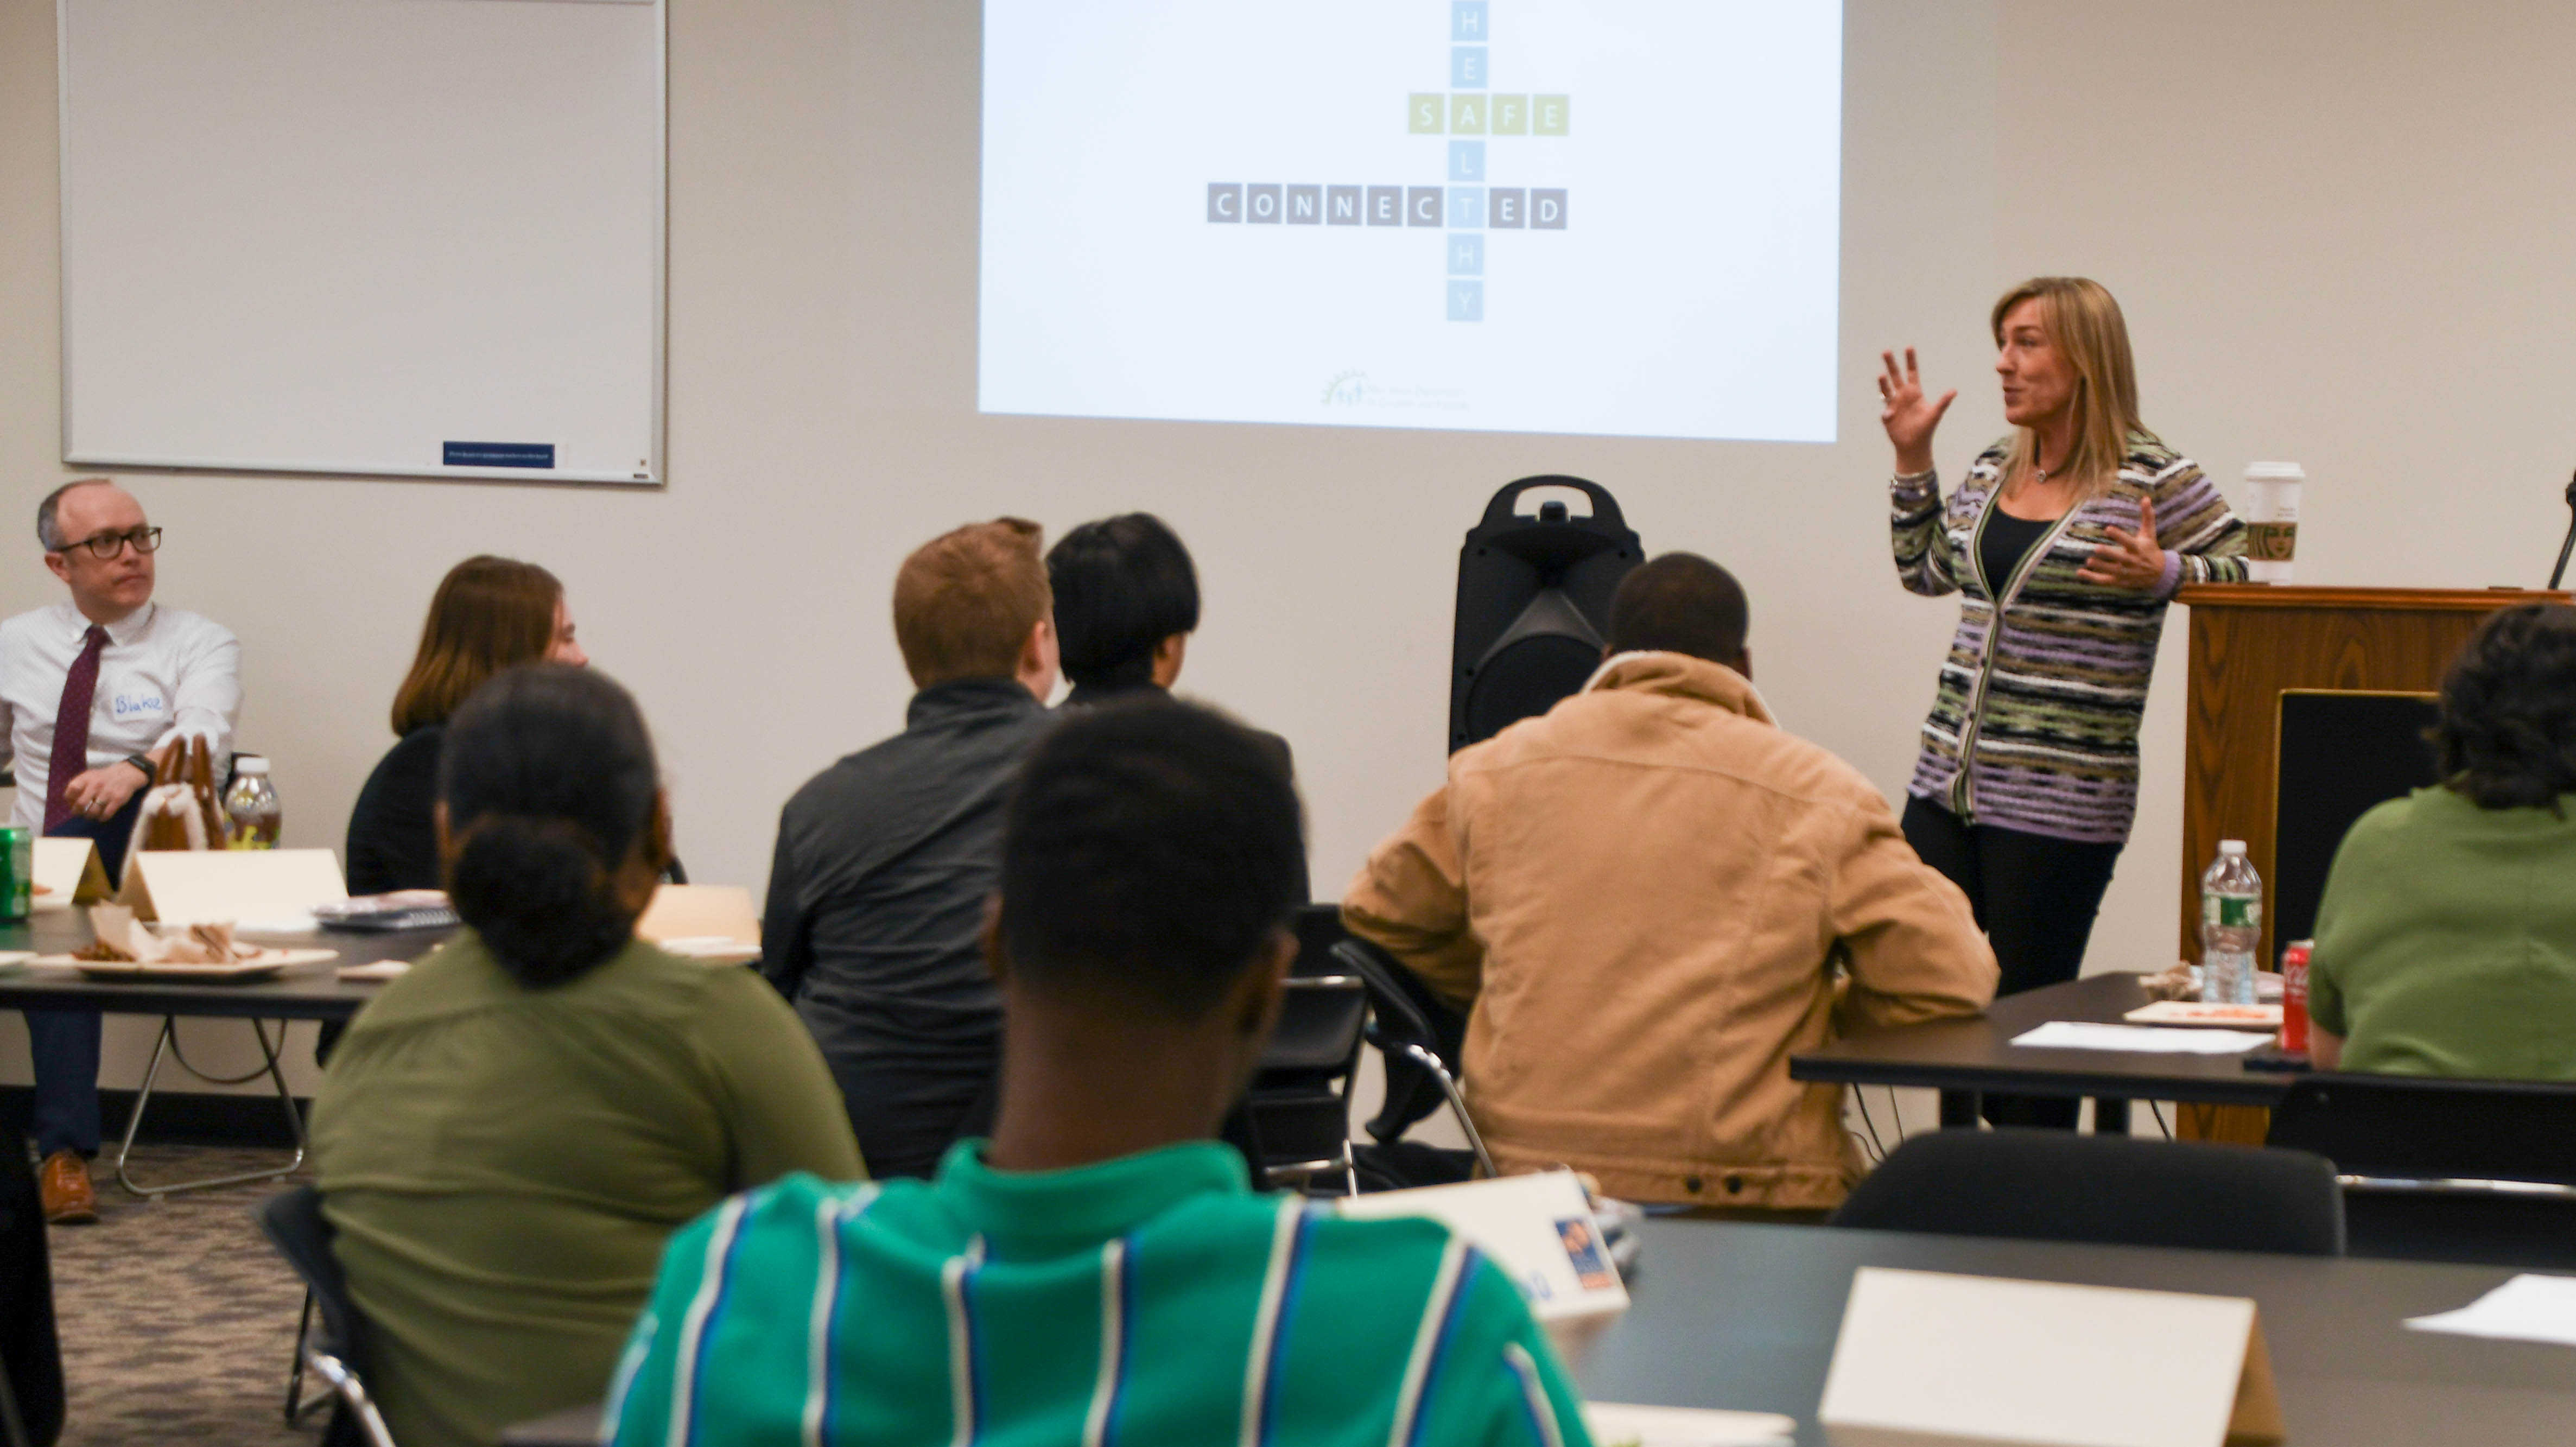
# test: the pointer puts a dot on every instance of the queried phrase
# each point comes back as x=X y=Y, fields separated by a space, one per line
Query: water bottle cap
x=250 y=764
x=2225 y=846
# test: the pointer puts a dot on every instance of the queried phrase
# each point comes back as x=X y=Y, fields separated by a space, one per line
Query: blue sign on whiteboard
x=500 y=454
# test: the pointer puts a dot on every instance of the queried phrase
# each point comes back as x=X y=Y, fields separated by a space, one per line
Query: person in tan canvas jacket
x=1648 y=898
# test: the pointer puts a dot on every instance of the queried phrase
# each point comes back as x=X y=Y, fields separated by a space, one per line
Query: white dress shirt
x=163 y=672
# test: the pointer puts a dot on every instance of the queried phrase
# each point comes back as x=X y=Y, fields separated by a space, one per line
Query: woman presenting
x=2064 y=543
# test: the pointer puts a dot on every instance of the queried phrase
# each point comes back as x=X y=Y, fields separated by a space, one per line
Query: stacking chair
x=2477 y=1171
x=1402 y=1030
x=336 y=1351
x=2045 y=1185
x=1297 y=1113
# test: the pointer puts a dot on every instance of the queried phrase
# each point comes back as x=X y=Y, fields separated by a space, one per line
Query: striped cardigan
x=2043 y=707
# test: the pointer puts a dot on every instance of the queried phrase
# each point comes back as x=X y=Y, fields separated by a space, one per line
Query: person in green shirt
x=1099 y=1272
x=508 y=1136
x=2446 y=940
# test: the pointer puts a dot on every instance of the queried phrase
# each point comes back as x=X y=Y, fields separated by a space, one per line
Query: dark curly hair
x=2507 y=735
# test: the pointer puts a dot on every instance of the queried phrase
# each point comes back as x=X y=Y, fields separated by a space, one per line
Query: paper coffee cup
x=2272 y=519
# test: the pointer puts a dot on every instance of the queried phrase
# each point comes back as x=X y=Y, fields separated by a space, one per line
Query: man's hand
x=2129 y=560
x=99 y=793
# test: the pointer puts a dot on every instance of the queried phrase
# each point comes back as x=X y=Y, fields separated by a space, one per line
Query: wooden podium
x=2253 y=642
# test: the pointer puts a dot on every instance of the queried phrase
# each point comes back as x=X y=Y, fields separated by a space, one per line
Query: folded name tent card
x=2527 y=1308
x=256 y=890
x=696 y=914
x=68 y=872
x=2146 y=1039
x=1617 y=1424
x=1538 y=1228
x=1925 y=1357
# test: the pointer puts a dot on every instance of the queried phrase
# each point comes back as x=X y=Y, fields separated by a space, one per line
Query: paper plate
x=258 y=967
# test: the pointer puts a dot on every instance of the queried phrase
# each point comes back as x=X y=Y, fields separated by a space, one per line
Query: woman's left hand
x=2129 y=560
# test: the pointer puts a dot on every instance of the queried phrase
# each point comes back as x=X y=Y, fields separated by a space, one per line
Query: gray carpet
x=176 y=1318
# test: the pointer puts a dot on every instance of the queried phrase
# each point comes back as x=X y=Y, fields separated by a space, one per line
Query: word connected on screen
x=1467 y=114
x=1476 y=207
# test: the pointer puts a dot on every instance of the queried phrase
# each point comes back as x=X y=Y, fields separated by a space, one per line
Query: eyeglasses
x=108 y=545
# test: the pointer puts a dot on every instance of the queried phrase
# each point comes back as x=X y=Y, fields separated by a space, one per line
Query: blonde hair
x=2084 y=324
x=965 y=602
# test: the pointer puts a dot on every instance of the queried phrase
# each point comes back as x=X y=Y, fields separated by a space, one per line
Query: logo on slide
x=1471 y=117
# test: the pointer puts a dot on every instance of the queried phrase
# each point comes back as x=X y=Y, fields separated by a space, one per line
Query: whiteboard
x=408 y=237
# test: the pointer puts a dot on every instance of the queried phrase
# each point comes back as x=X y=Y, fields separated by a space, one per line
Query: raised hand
x=2129 y=560
x=1908 y=417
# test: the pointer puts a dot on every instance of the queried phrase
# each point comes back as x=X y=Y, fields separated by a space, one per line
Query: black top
x=2005 y=539
x=1086 y=695
x=876 y=911
x=393 y=844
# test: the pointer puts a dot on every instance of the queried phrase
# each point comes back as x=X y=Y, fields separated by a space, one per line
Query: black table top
x=1978 y=1054
x=1744 y=1317
x=302 y=992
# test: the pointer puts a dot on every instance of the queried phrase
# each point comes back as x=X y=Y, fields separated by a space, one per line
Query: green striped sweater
x=1139 y=1302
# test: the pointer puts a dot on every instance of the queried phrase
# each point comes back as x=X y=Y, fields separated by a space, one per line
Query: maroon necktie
x=71 y=729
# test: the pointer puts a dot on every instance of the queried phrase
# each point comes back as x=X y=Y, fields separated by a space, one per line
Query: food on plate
x=120 y=938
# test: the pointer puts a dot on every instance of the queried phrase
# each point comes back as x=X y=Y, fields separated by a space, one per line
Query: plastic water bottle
x=250 y=806
x=2231 y=926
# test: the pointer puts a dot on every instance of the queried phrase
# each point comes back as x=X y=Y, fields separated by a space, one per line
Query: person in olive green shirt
x=2446 y=940
x=509 y=1135
x=1100 y=1272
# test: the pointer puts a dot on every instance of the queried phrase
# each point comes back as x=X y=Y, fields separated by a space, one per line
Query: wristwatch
x=151 y=775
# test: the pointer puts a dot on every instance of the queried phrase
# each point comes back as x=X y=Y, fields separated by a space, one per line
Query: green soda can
x=17 y=872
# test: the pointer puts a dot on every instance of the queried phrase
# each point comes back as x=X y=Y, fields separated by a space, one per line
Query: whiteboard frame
x=656 y=476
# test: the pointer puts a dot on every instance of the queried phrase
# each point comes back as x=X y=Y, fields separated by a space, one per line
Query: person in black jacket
x=1126 y=603
x=886 y=859
x=487 y=614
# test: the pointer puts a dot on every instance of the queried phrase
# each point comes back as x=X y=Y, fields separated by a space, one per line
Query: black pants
x=2036 y=898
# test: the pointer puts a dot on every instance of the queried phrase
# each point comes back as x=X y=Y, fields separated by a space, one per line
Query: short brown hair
x=487 y=614
x=965 y=601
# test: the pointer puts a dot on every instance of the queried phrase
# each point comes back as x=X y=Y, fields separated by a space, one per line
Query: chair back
x=2045 y=1185
x=1294 y=1124
x=1420 y=1039
x=2416 y=1127
x=2476 y=1171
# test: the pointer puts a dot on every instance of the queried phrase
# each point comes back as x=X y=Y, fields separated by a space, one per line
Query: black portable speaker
x=1533 y=605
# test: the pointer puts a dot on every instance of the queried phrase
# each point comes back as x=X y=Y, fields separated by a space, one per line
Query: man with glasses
x=88 y=688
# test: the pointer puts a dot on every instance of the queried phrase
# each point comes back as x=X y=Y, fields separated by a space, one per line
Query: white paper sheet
x=2148 y=1039
x=1616 y=1424
x=2527 y=1308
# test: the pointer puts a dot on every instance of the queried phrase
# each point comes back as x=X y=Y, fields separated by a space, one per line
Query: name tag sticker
x=137 y=704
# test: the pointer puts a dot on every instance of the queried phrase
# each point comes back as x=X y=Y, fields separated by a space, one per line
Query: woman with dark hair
x=1126 y=603
x=509 y=1133
x=2446 y=940
x=488 y=614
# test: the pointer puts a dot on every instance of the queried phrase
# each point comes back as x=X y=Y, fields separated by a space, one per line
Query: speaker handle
x=1605 y=508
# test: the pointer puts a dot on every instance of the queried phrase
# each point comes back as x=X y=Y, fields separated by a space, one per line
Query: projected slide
x=1580 y=216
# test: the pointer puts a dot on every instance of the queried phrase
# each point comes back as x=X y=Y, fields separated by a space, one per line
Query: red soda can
x=2294 y=995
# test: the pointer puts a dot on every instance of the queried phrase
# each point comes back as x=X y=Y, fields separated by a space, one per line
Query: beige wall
x=2340 y=230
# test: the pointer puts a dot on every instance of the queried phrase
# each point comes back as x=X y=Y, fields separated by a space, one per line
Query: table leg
x=1959 y=1110
x=168 y=1044
x=2110 y=1116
